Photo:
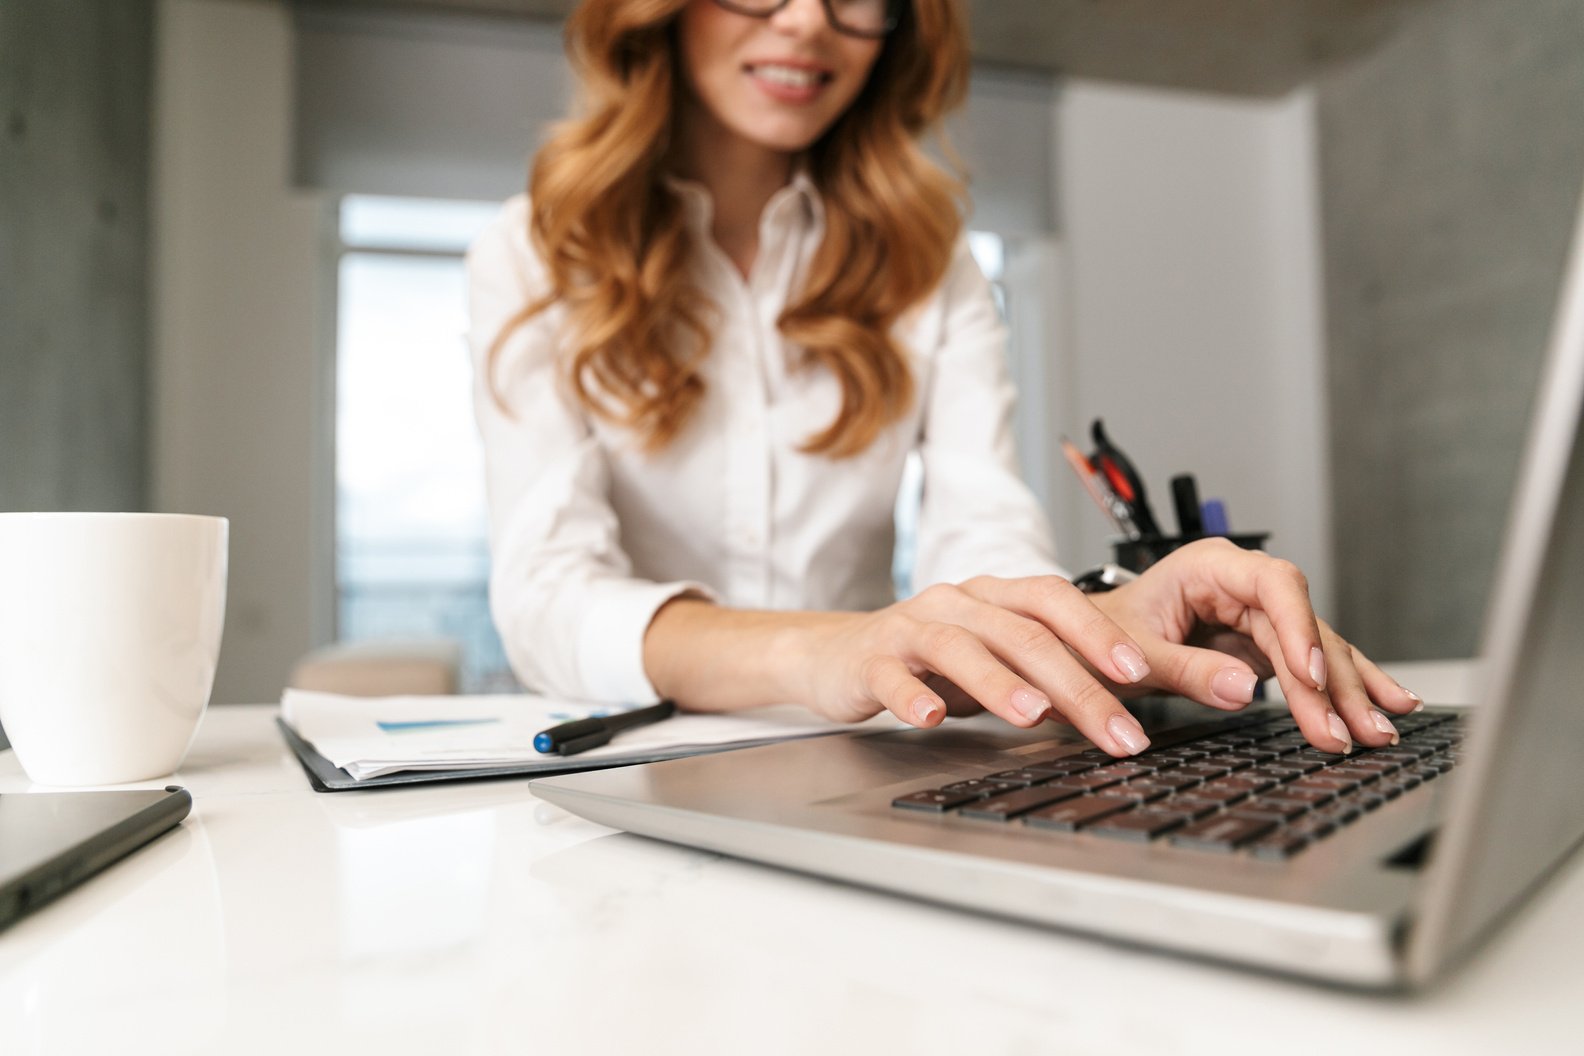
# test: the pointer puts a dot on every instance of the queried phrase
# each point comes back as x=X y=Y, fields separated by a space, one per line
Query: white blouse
x=590 y=536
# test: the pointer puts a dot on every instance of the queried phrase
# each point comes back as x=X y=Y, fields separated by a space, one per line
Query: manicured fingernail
x=1339 y=730
x=925 y=709
x=1130 y=662
x=1125 y=731
x=1416 y=698
x=1384 y=725
x=1031 y=705
x=1317 y=671
x=1233 y=685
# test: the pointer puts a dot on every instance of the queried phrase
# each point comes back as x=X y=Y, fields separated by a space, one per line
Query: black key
x=1269 y=772
x=1278 y=846
x=1224 y=796
x=1200 y=770
x=1312 y=796
x=1176 y=779
x=1143 y=824
x=1315 y=755
x=1060 y=766
x=1231 y=762
x=1247 y=782
x=1368 y=764
x=1088 y=782
x=1020 y=777
x=1253 y=755
x=979 y=786
x=1271 y=807
x=1154 y=764
x=1010 y=805
x=1140 y=791
x=1326 y=782
x=933 y=799
x=1193 y=806
x=1124 y=770
x=1289 y=765
x=1075 y=813
x=1367 y=800
x=1341 y=812
x=1223 y=832
x=1312 y=827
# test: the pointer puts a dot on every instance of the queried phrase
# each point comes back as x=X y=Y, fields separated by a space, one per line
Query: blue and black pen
x=580 y=735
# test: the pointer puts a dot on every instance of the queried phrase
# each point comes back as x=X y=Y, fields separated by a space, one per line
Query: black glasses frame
x=893 y=16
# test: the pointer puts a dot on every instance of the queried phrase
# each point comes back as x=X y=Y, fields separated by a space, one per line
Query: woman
x=739 y=299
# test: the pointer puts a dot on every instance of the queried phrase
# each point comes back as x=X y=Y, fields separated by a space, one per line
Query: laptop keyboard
x=1255 y=787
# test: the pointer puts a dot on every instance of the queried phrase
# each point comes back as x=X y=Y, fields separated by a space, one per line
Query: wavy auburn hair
x=615 y=244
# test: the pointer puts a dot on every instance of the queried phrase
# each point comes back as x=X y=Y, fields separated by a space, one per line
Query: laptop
x=52 y=841
x=1230 y=838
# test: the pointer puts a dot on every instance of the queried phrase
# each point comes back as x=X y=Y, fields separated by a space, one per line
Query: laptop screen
x=1520 y=806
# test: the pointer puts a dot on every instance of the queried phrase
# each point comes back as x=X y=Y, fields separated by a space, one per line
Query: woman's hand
x=1213 y=619
x=1207 y=622
x=1026 y=649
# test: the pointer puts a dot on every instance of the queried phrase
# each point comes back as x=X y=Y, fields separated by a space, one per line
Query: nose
x=800 y=17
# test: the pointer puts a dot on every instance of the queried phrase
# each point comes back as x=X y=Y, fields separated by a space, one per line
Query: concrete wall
x=1451 y=163
x=74 y=98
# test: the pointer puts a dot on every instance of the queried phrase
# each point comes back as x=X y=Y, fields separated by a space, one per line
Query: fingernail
x=1384 y=725
x=1031 y=705
x=1130 y=662
x=1416 y=698
x=924 y=710
x=1125 y=730
x=1339 y=730
x=1317 y=671
x=1232 y=685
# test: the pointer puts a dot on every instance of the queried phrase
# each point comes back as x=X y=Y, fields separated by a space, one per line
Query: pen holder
x=1138 y=554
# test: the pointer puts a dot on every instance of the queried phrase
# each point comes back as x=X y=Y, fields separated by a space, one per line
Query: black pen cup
x=1138 y=554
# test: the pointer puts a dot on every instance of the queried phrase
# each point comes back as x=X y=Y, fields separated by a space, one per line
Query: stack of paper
x=372 y=736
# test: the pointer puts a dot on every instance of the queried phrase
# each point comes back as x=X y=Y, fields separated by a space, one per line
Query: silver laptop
x=1230 y=838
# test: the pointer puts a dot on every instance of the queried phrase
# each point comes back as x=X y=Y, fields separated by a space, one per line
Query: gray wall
x=1451 y=163
x=74 y=105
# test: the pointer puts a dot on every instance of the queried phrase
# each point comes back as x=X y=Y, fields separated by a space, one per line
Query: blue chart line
x=430 y=724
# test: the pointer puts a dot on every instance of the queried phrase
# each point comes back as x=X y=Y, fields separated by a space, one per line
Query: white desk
x=473 y=918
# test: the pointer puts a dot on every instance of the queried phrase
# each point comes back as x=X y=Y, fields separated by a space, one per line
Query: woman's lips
x=787 y=82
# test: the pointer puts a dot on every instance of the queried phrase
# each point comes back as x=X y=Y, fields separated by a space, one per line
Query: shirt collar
x=799 y=192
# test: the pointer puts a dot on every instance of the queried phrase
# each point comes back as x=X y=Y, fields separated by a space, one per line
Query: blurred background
x=1304 y=249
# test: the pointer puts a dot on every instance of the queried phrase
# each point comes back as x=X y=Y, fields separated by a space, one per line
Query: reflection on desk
x=474 y=918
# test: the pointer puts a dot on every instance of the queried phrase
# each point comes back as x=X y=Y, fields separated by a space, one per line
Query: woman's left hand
x=1213 y=619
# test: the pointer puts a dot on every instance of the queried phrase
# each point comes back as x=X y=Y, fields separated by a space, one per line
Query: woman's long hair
x=615 y=244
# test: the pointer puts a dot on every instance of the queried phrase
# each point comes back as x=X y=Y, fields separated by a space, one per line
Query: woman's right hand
x=1017 y=647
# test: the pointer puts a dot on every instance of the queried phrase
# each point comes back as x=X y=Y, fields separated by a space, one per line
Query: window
x=412 y=552
x=990 y=252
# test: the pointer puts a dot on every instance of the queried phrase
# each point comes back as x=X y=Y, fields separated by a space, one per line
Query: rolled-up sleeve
x=978 y=516
x=571 y=616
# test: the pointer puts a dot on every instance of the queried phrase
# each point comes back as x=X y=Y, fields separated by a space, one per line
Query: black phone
x=52 y=841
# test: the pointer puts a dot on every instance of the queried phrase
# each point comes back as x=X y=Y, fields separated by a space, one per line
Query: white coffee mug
x=109 y=634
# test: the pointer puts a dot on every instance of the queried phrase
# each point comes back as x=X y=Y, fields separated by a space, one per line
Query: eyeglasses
x=870 y=19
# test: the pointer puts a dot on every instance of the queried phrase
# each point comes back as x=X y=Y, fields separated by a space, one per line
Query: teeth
x=790 y=76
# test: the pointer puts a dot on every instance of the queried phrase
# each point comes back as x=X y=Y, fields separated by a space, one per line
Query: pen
x=580 y=735
x=1185 y=496
x=1123 y=478
x=1214 y=515
x=1110 y=505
